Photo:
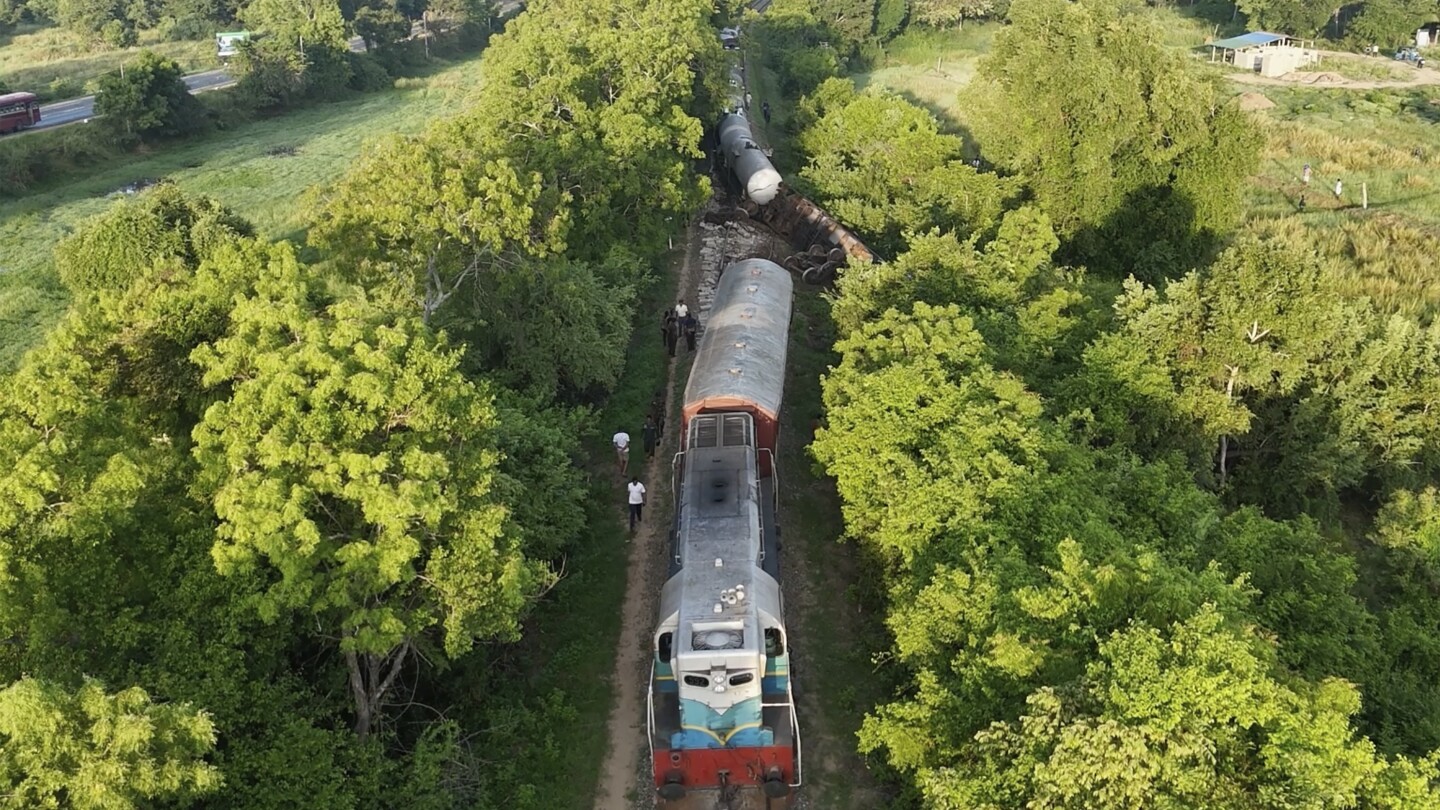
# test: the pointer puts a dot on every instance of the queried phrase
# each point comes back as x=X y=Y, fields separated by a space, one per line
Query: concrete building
x=1265 y=53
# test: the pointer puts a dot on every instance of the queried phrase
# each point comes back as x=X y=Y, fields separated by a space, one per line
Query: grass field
x=262 y=170
x=930 y=68
x=56 y=64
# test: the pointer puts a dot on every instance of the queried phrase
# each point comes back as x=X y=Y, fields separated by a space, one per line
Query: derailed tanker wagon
x=722 y=716
x=757 y=175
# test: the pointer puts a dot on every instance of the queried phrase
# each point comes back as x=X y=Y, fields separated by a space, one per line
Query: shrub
x=109 y=251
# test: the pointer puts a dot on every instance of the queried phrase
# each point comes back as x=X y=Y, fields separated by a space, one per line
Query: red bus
x=18 y=111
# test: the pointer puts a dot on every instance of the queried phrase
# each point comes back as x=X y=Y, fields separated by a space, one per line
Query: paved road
x=79 y=109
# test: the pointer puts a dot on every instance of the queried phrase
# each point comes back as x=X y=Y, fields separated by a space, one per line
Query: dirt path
x=620 y=785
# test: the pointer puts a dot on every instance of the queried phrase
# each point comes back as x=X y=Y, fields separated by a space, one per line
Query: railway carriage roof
x=741 y=358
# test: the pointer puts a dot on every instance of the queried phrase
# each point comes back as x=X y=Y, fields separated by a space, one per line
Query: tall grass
x=1385 y=257
x=56 y=64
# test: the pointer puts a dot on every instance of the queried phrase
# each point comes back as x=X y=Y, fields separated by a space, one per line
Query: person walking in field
x=637 y=501
x=622 y=450
x=1338 y=187
x=765 y=110
x=1305 y=174
x=650 y=435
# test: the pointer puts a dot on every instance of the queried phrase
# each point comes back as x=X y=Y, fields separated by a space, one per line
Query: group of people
x=678 y=322
x=1305 y=178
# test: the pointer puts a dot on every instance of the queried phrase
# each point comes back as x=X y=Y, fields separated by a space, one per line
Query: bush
x=109 y=251
x=367 y=74
x=118 y=34
x=147 y=98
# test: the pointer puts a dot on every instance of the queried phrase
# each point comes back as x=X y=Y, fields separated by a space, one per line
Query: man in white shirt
x=681 y=309
x=622 y=450
x=637 y=501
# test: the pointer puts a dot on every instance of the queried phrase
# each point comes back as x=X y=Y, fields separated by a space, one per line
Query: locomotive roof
x=719 y=520
x=740 y=362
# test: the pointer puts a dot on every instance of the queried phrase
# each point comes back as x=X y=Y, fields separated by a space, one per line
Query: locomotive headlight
x=719 y=688
x=717 y=678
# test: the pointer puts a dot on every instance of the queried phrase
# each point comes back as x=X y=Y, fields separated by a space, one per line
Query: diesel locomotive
x=722 y=723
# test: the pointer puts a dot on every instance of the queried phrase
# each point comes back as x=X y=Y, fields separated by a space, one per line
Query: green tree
x=881 y=165
x=148 y=97
x=890 y=17
x=112 y=249
x=1390 y=21
x=87 y=17
x=1135 y=156
x=915 y=411
x=1302 y=18
x=435 y=215
x=944 y=13
x=381 y=25
x=301 y=24
x=1194 y=716
x=1411 y=520
x=1025 y=307
x=354 y=462
x=89 y=750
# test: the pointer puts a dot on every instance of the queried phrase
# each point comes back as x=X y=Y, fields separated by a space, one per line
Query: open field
x=931 y=67
x=56 y=64
x=261 y=169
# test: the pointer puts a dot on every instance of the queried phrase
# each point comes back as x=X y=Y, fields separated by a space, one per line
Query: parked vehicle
x=18 y=111
x=227 y=44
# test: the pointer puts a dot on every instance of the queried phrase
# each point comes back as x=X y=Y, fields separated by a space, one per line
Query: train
x=722 y=720
x=757 y=176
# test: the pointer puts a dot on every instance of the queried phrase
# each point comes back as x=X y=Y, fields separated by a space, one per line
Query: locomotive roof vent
x=717 y=640
x=752 y=288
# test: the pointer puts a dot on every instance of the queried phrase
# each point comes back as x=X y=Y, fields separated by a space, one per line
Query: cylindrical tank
x=755 y=171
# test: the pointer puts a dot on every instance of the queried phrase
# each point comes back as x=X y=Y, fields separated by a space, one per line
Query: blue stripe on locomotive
x=777 y=676
x=703 y=727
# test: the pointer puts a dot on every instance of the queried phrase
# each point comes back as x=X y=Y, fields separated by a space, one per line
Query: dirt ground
x=1322 y=78
x=620 y=786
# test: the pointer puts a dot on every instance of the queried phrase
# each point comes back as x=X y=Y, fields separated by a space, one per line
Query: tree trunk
x=367 y=686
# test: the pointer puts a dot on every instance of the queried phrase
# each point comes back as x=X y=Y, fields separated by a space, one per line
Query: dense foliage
x=1133 y=156
x=1121 y=529
x=293 y=513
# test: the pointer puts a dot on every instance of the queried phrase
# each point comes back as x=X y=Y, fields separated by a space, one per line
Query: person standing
x=682 y=309
x=1305 y=174
x=689 y=325
x=669 y=330
x=637 y=501
x=650 y=435
x=765 y=110
x=657 y=407
x=1338 y=187
x=622 y=450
